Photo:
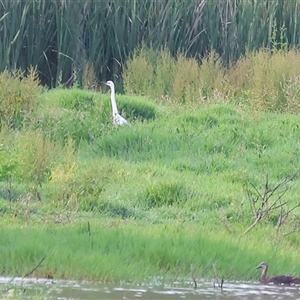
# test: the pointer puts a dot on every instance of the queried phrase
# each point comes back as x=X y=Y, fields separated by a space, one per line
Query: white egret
x=117 y=118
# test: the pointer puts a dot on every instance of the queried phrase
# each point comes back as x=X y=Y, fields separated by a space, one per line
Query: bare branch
x=270 y=200
x=267 y=183
x=29 y=273
x=283 y=216
x=193 y=276
x=216 y=280
x=253 y=225
x=297 y=205
x=293 y=231
x=256 y=190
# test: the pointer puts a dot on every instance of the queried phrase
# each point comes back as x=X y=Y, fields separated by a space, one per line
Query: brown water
x=20 y=288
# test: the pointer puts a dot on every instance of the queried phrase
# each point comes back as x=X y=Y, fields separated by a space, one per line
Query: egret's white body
x=117 y=118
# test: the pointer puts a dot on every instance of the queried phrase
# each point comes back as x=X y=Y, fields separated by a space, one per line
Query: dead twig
x=193 y=276
x=29 y=273
x=216 y=280
x=89 y=229
x=225 y=223
x=283 y=215
x=263 y=203
x=290 y=232
x=5 y=291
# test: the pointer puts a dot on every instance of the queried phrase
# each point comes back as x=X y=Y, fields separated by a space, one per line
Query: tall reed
x=60 y=37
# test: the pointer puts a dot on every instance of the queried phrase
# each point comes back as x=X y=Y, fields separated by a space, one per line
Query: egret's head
x=110 y=84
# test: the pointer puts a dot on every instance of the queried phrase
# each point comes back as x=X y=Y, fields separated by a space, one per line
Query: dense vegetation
x=66 y=38
x=179 y=186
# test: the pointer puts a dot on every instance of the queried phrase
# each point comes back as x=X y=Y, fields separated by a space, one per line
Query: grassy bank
x=197 y=178
x=148 y=199
x=116 y=250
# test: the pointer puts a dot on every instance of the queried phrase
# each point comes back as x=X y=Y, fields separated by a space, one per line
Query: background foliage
x=263 y=80
x=64 y=38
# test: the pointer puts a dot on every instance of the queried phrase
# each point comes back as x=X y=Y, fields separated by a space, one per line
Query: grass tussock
x=165 y=194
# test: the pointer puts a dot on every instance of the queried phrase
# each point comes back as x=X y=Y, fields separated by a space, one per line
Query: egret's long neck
x=113 y=101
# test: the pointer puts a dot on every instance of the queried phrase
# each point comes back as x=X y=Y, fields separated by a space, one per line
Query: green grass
x=114 y=250
x=159 y=195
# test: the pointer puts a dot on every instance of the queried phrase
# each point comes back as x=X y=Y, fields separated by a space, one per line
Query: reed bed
x=61 y=38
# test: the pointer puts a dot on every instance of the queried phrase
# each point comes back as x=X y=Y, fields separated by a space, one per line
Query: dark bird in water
x=278 y=279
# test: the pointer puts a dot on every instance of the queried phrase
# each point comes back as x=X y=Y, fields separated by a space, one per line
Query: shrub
x=19 y=94
x=186 y=82
x=266 y=80
x=138 y=72
x=160 y=75
x=8 y=163
x=78 y=187
x=36 y=161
